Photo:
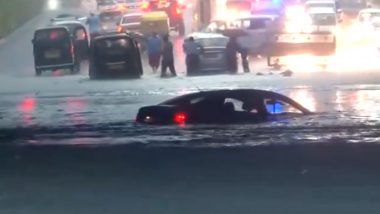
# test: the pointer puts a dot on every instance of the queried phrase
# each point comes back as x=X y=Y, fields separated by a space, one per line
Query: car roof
x=321 y=10
x=319 y=1
x=112 y=35
x=133 y=14
x=67 y=23
x=237 y=93
x=258 y=16
x=53 y=27
x=370 y=10
x=206 y=35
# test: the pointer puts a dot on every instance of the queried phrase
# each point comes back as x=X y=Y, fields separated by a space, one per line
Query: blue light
x=276 y=108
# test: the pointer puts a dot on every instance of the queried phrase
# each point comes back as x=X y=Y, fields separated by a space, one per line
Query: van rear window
x=112 y=43
x=110 y=16
x=54 y=34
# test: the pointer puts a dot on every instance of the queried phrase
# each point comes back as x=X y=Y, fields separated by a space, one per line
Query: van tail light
x=180 y=118
x=145 y=5
x=178 y=11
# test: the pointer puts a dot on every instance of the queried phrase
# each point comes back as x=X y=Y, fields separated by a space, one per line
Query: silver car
x=212 y=52
x=130 y=22
x=109 y=20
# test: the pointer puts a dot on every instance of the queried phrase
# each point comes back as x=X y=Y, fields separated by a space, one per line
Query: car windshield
x=323 y=19
x=321 y=5
x=212 y=42
x=51 y=35
x=106 y=2
x=132 y=19
x=110 y=107
x=110 y=16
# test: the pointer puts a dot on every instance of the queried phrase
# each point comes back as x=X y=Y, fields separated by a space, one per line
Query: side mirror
x=32 y=41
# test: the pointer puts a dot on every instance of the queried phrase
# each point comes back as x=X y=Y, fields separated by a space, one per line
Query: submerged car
x=115 y=55
x=54 y=48
x=222 y=107
x=212 y=53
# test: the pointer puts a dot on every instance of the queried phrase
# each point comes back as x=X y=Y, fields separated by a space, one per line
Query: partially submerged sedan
x=222 y=107
x=212 y=57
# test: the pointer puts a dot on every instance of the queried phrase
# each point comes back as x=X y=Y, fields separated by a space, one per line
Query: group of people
x=161 y=51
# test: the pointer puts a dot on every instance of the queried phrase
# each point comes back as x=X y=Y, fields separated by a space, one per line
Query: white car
x=109 y=20
x=320 y=4
x=367 y=24
x=130 y=22
x=106 y=5
x=251 y=31
x=323 y=19
x=132 y=5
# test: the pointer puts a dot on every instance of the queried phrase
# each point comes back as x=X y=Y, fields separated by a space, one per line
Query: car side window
x=276 y=107
x=237 y=104
x=246 y=24
x=257 y=24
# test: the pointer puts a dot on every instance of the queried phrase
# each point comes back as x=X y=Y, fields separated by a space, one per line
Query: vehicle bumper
x=58 y=66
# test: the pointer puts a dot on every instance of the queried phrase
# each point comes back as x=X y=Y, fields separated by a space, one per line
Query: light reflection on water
x=365 y=104
x=27 y=108
x=305 y=98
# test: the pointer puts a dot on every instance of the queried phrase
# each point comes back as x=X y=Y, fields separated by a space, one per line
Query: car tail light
x=180 y=118
x=178 y=11
x=120 y=29
x=54 y=35
x=145 y=5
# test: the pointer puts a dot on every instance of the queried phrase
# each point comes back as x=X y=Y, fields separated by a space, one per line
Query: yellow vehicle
x=155 y=22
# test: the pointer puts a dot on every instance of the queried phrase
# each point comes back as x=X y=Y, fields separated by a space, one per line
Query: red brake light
x=180 y=118
x=53 y=35
x=145 y=5
x=178 y=11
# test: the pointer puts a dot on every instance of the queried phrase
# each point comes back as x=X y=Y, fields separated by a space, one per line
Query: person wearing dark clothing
x=244 y=60
x=231 y=52
x=191 y=50
x=167 y=57
x=233 y=47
